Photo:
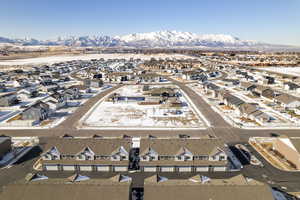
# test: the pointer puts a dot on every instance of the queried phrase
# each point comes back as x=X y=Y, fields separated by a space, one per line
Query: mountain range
x=167 y=39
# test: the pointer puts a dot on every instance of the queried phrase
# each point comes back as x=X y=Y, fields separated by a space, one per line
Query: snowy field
x=55 y=59
x=132 y=115
x=295 y=71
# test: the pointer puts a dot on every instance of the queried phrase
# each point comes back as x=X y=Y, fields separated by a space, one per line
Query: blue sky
x=273 y=21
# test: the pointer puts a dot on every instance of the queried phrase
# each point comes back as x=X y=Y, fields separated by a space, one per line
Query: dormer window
x=184 y=154
x=123 y=152
x=151 y=154
x=46 y=157
x=222 y=158
x=120 y=154
x=115 y=157
x=52 y=154
x=86 y=154
x=152 y=157
x=218 y=155
x=200 y=157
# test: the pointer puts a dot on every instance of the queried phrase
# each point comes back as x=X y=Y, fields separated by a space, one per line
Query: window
x=115 y=157
x=152 y=158
x=163 y=157
x=80 y=157
x=103 y=157
x=200 y=157
x=67 y=156
x=54 y=157
x=222 y=158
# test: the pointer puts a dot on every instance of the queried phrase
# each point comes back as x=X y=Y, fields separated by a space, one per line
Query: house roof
x=247 y=84
x=256 y=113
x=148 y=75
x=286 y=98
x=292 y=85
x=38 y=105
x=248 y=108
x=263 y=116
x=212 y=86
x=98 y=146
x=79 y=87
x=214 y=189
x=72 y=161
x=183 y=163
x=269 y=93
x=191 y=72
x=261 y=88
x=296 y=143
x=173 y=146
x=230 y=80
x=62 y=189
x=231 y=99
x=161 y=90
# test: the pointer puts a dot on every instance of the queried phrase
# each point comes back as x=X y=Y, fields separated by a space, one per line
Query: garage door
x=219 y=169
x=201 y=169
x=120 y=168
x=102 y=168
x=51 y=167
x=149 y=169
x=86 y=168
x=184 y=169
x=68 y=167
x=167 y=169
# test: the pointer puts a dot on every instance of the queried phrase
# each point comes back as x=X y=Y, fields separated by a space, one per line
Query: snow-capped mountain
x=145 y=40
x=175 y=38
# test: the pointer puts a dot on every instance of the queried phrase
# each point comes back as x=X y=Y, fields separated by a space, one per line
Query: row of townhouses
x=156 y=155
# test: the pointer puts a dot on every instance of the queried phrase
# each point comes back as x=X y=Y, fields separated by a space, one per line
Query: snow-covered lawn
x=55 y=59
x=295 y=71
x=133 y=115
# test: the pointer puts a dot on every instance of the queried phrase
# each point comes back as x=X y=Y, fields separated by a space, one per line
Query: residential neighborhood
x=154 y=116
x=150 y=100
